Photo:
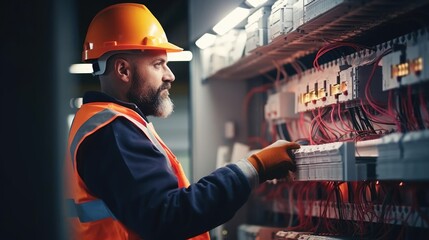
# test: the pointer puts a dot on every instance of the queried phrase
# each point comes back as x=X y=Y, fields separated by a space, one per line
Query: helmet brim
x=90 y=55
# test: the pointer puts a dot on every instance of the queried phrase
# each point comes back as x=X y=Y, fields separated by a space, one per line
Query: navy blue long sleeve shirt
x=120 y=165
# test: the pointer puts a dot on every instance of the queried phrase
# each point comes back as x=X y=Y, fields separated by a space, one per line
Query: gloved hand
x=274 y=161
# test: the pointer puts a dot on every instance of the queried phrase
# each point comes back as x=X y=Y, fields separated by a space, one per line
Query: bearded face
x=151 y=100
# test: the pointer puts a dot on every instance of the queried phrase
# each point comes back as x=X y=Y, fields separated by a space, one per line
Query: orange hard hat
x=124 y=26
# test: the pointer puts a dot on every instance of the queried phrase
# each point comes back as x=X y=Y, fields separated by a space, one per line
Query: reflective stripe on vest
x=101 y=117
x=88 y=127
x=93 y=210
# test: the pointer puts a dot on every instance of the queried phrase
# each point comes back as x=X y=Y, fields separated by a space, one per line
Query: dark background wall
x=31 y=130
x=39 y=41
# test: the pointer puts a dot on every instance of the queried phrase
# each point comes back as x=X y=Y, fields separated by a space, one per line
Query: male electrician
x=125 y=182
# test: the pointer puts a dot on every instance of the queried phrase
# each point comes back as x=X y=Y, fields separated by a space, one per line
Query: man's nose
x=169 y=75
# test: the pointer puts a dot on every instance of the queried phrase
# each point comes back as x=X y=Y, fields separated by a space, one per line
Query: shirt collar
x=94 y=96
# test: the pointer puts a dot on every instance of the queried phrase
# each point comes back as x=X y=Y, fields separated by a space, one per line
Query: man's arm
x=120 y=165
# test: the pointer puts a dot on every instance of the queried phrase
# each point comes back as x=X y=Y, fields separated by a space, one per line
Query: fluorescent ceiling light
x=184 y=56
x=231 y=20
x=80 y=68
x=255 y=3
x=206 y=40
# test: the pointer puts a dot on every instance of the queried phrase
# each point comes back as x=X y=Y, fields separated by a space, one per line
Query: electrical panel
x=337 y=161
x=328 y=162
x=348 y=81
x=315 y=89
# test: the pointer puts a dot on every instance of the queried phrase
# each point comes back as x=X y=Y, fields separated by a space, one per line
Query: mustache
x=165 y=86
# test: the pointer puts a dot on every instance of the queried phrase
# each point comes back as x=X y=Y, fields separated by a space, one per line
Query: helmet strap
x=99 y=66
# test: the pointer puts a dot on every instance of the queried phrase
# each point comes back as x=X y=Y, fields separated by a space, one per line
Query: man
x=125 y=182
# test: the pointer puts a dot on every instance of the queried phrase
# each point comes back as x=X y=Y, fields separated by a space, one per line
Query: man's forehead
x=155 y=53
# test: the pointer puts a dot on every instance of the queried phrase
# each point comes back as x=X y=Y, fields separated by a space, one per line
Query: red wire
x=332 y=131
x=300 y=208
x=322 y=127
x=312 y=127
x=297 y=68
x=330 y=47
x=281 y=70
x=343 y=122
x=359 y=210
x=390 y=110
x=329 y=203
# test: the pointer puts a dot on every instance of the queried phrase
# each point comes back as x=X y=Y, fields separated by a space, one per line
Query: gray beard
x=152 y=104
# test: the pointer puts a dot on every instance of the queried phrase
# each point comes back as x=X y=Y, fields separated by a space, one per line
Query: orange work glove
x=274 y=161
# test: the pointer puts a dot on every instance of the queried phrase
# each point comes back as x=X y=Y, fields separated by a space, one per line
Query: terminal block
x=330 y=162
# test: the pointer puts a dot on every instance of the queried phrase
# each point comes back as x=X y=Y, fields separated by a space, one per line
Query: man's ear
x=122 y=69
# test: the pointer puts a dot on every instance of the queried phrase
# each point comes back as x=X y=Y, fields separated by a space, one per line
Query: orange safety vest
x=91 y=219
